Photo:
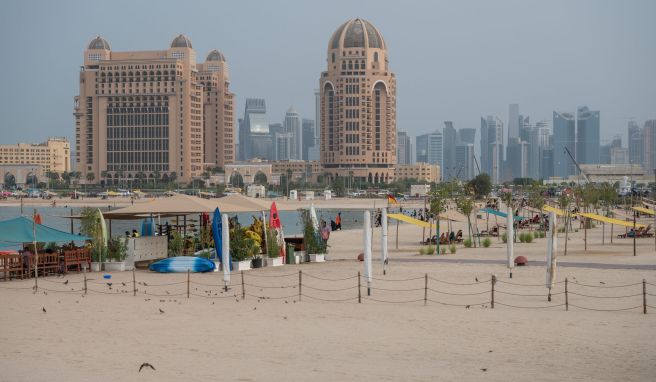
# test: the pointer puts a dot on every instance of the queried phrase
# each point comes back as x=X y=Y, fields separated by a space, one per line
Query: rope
x=398 y=290
x=392 y=302
x=458 y=294
x=528 y=285
x=213 y=285
x=271 y=298
x=61 y=282
x=159 y=285
x=393 y=280
x=528 y=295
x=330 y=299
x=330 y=290
x=203 y=296
x=328 y=279
x=283 y=275
x=461 y=284
x=585 y=295
x=605 y=310
x=29 y=287
x=62 y=291
x=604 y=286
x=529 y=307
x=465 y=305
x=271 y=287
x=165 y=295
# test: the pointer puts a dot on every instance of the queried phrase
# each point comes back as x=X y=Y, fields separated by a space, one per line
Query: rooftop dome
x=215 y=55
x=181 y=42
x=357 y=33
x=99 y=43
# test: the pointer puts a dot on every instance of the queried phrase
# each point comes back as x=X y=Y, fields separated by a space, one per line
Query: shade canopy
x=555 y=210
x=500 y=214
x=645 y=210
x=605 y=219
x=237 y=203
x=21 y=230
x=408 y=219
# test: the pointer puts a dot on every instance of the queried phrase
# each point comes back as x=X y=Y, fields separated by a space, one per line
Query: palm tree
x=90 y=178
x=156 y=177
x=140 y=176
x=120 y=174
x=103 y=175
x=438 y=203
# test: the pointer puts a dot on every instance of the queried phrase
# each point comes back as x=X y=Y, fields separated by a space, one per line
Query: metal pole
x=243 y=290
x=300 y=283
x=425 y=288
x=397 y=234
x=188 y=273
x=84 y=270
x=359 y=290
x=644 y=296
x=566 y=296
x=383 y=227
x=634 y=233
x=493 y=280
x=134 y=283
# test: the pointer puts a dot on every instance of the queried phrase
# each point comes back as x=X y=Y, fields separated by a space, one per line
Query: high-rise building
x=619 y=155
x=564 y=136
x=358 y=105
x=465 y=160
x=308 y=137
x=144 y=112
x=492 y=147
x=450 y=168
x=517 y=158
x=317 y=120
x=467 y=135
x=255 y=141
x=513 y=121
x=294 y=125
x=588 y=139
x=636 y=145
x=548 y=162
x=218 y=105
x=605 y=150
x=404 y=148
x=283 y=145
x=430 y=148
x=649 y=148
x=54 y=155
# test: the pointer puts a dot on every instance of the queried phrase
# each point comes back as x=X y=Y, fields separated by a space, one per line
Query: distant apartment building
x=404 y=148
x=255 y=140
x=450 y=136
x=53 y=155
x=421 y=171
x=492 y=147
x=588 y=140
x=649 y=147
x=635 y=143
x=152 y=111
x=429 y=148
x=465 y=160
x=564 y=136
x=309 y=140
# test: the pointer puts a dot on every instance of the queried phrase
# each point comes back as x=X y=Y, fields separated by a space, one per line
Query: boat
x=181 y=264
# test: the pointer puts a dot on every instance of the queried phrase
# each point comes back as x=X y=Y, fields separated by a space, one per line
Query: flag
x=391 y=199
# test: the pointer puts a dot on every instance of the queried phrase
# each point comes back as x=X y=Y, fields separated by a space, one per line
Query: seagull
x=123 y=284
x=145 y=284
x=467 y=306
x=484 y=369
x=601 y=282
x=160 y=310
x=66 y=282
x=44 y=309
x=476 y=278
x=145 y=364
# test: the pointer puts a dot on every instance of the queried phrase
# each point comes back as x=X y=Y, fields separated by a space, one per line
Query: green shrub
x=467 y=243
x=452 y=249
x=522 y=237
x=487 y=242
x=442 y=251
x=504 y=237
x=429 y=250
x=529 y=237
x=561 y=229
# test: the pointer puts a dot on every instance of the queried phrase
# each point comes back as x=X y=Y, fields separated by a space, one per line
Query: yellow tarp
x=408 y=219
x=644 y=210
x=611 y=220
x=555 y=210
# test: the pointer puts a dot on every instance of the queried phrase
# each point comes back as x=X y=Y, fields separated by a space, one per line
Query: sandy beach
x=391 y=335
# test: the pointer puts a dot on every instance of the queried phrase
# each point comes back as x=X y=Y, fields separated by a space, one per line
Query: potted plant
x=273 y=249
x=176 y=244
x=254 y=236
x=242 y=249
x=116 y=253
x=90 y=226
x=315 y=246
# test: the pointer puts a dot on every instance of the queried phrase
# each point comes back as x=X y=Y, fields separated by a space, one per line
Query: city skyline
x=612 y=75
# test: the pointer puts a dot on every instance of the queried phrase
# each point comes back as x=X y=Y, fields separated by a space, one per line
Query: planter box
x=96 y=267
x=301 y=257
x=317 y=258
x=115 y=266
x=274 y=261
x=241 y=265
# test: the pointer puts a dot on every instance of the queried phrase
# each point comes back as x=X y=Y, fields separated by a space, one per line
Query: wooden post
x=359 y=291
x=566 y=296
x=243 y=289
x=188 y=273
x=634 y=233
x=397 y=234
x=134 y=283
x=300 y=283
x=493 y=281
x=425 y=288
x=585 y=234
x=84 y=270
x=644 y=296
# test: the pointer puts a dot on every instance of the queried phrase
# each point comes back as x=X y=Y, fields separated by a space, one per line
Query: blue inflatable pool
x=182 y=264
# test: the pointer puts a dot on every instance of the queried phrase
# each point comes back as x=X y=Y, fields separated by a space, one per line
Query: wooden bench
x=76 y=259
x=48 y=263
x=12 y=266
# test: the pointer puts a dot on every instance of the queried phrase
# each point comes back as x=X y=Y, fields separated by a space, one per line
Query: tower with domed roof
x=358 y=105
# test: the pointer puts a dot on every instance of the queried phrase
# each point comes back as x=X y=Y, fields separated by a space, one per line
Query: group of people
x=447 y=238
x=134 y=233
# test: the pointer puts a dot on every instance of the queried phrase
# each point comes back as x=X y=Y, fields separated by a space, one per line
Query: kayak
x=182 y=264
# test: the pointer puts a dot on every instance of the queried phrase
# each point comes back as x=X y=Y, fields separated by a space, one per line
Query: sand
x=110 y=333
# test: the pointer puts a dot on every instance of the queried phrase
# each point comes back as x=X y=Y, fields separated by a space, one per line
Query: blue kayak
x=182 y=264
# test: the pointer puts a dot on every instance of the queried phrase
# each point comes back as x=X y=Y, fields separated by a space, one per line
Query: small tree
x=438 y=203
x=481 y=184
x=466 y=206
x=90 y=177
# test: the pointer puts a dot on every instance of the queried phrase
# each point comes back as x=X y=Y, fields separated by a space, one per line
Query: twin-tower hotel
x=162 y=112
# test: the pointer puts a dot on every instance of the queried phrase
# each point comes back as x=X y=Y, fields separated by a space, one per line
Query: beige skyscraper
x=358 y=105
x=147 y=112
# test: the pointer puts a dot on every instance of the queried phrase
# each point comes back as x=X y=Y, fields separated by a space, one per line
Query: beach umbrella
x=510 y=238
x=217 y=232
x=313 y=216
x=275 y=223
x=383 y=244
x=367 y=249
x=551 y=253
x=225 y=250
x=104 y=235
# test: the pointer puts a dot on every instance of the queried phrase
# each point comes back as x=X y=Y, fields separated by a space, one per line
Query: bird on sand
x=146 y=364
x=160 y=310
x=476 y=278
x=44 y=309
x=484 y=369
x=601 y=282
x=66 y=282
x=467 y=306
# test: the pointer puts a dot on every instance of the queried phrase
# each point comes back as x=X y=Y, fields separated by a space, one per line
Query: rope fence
x=356 y=288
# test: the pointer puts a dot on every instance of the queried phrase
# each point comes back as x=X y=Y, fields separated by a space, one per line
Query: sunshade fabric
x=645 y=210
x=408 y=219
x=555 y=210
x=20 y=230
x=611 y=220
x=500 y=214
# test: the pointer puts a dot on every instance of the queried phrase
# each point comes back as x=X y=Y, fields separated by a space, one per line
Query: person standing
x=338 y=221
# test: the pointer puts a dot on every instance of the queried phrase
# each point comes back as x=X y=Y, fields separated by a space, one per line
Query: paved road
x=645 y=267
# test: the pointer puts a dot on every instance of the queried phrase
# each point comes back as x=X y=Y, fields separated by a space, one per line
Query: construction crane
x=477 y=166
x=577 y=165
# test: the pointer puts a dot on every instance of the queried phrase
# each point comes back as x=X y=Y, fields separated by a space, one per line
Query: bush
x=429 y=250
x=487 y=242
x=529 y=237
x=452 y=249
x=504 y=237
x=467 y=243
x=442 y=251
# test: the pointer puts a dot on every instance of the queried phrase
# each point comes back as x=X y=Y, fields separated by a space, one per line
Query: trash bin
x=291 y=256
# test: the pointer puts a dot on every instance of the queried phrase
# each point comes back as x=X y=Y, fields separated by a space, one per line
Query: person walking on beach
x=338 y=221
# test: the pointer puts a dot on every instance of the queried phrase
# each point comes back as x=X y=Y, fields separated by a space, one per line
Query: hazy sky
x=454 y=60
